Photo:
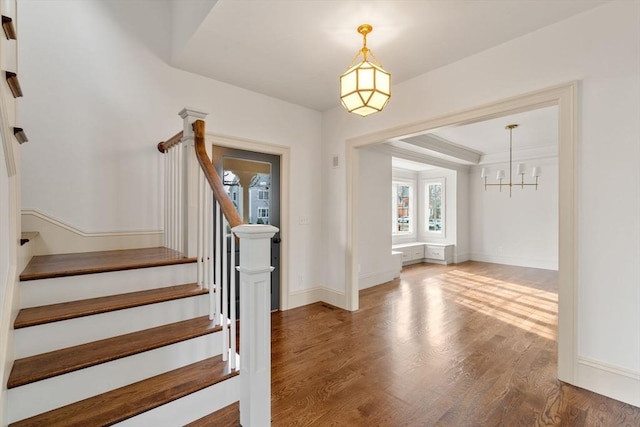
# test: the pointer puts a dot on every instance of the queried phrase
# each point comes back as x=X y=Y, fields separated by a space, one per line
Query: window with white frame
x=403 y=208
x=263 y=213
x=263 y=194
x=434 y=192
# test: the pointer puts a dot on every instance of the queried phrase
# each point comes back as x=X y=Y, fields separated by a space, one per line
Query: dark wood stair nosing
x=75 y=264
x=134 y=399
x=34 y=316
x=82 y=272
x=229 y=416
x=39 y=367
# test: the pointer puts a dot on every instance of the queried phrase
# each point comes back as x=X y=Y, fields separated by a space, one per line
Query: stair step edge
x=229 y=416
x=125 y=402
x=63 y=265
x=70 y=359
x=40 y=315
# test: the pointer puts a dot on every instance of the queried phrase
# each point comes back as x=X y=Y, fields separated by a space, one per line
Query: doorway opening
x=565 y=98
x=252 y=182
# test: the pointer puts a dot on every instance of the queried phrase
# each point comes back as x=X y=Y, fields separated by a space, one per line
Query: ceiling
x=295 y=50
x=479 y=143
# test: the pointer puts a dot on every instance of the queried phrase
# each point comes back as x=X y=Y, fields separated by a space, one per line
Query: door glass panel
x=248 y=183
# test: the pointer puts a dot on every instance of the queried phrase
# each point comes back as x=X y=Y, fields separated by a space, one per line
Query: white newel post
x=255 y=323
x=190 y=189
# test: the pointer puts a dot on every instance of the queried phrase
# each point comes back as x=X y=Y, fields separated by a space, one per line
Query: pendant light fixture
x=520 y=170
x=365 y=88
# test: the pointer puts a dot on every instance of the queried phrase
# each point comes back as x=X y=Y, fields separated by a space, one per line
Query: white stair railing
x=201 y=222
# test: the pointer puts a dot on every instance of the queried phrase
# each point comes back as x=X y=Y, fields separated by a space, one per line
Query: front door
x=252 y=181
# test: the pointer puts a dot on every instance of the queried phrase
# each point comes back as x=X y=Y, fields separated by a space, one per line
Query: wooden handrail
x=228 y=209
x=163 y=146
x=9 y=28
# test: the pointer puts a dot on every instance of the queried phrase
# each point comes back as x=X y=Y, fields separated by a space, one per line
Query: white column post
x=189 y=200
x=255 y=323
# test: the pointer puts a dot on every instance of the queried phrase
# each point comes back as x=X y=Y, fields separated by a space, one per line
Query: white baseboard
x=543 y=263
x=319 y=293
x=334 y=297
x=460 y=258
x=611 y=381
x=372 y=279
x=57 y=237
x=305 y=297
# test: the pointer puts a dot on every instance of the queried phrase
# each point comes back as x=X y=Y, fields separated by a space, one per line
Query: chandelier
x=520 y=170
x=365 y=88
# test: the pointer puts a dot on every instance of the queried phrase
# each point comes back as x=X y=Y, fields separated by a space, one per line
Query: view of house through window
x=256 y=194
x=402 y=207
x=434 y=211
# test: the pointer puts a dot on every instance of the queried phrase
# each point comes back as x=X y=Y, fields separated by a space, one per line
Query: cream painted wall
x=106 y=99
x=376 y=264
x=519 y=230
x=8 y=279
x=601 y=49
x=463 y=215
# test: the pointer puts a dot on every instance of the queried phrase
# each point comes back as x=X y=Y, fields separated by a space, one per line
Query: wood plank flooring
x=46 y=266
x=472 y=344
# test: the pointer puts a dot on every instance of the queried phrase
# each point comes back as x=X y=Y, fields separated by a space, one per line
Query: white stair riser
x=34 y=293
x=42 y=396
x=191 y=407
x=57 y=335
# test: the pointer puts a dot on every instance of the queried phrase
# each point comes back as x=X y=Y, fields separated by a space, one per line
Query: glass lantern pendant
x=365 y=88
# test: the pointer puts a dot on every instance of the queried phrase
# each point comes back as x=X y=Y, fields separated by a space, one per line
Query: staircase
x=118 y=337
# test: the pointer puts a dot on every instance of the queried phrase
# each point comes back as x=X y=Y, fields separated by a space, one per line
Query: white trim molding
x=316 y=294
x=305 y=297
x=565 y=97
x=57 y=237
x=373 y=279
x=495 y=258
x=285 y=168
x=612 y=381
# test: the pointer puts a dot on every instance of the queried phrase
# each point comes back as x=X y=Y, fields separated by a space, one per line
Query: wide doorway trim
x=565 y=97
x=283 y=152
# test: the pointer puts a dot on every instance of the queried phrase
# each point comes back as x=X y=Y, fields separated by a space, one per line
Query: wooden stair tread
x=58 y=362
x=47 y=266
x=125 y=402
x=69 y=310
x=228 y=416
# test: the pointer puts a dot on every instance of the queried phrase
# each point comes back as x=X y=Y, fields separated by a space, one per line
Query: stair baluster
x=199 y=211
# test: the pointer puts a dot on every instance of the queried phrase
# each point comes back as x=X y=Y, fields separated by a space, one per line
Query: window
x=402 y=194
x=263 y=195
x=263 y=213
x=434 y=208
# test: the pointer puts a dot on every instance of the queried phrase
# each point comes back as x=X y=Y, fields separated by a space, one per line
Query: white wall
x=601 y=48
x=376 y=264
x=463 y=217
x=7 y=278
x=518 y=230
x=99 y=97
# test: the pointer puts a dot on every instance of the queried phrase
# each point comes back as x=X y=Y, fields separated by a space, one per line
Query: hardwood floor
x=472 y=344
